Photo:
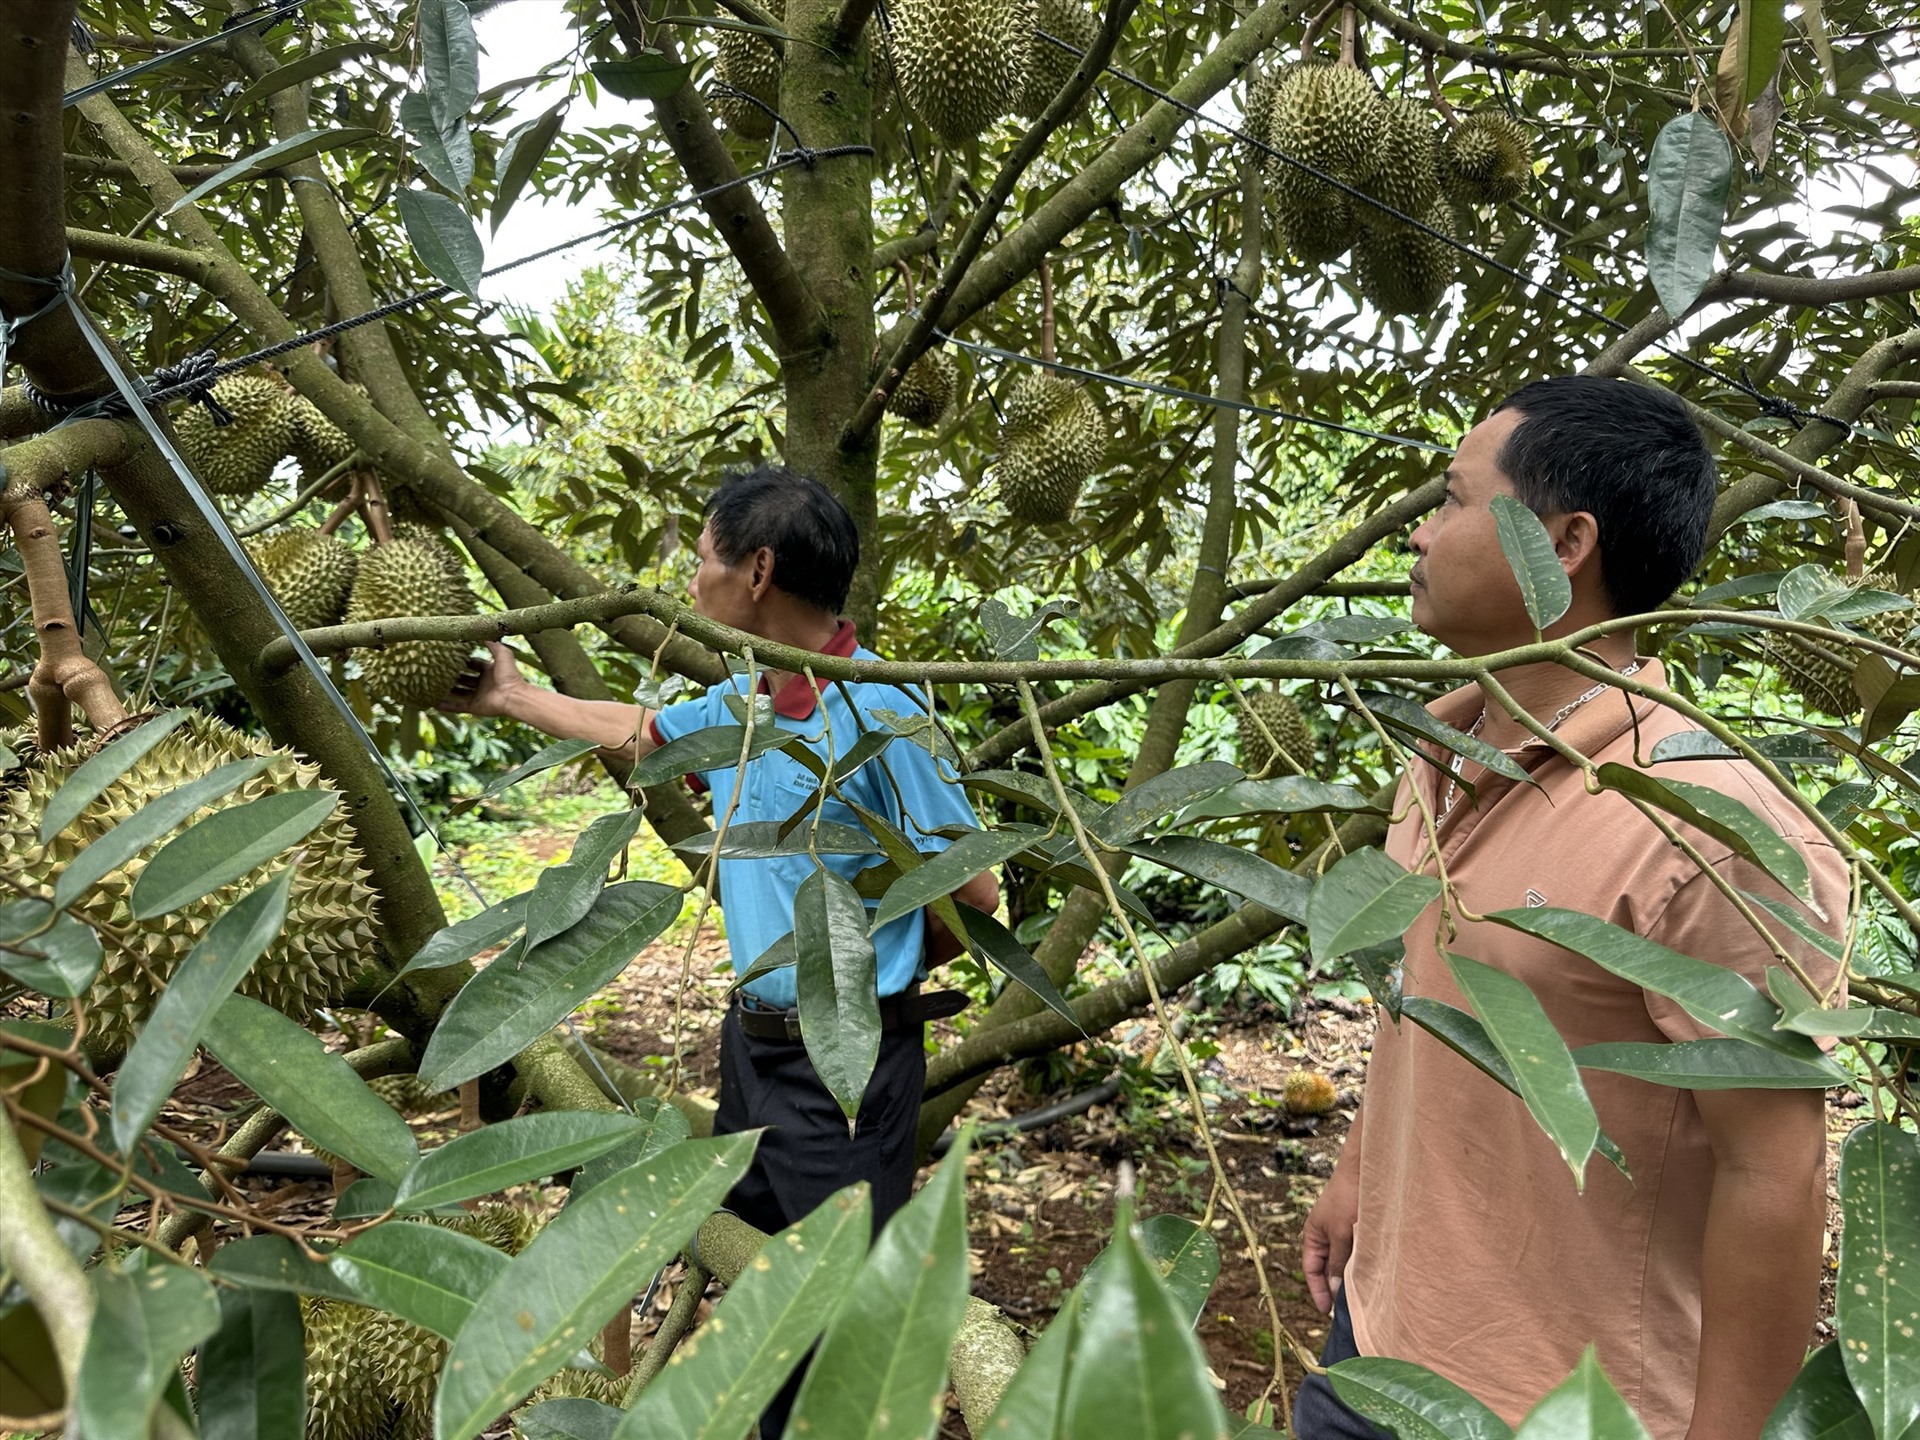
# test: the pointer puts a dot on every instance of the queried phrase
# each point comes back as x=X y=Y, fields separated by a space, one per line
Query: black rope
x=260 y=15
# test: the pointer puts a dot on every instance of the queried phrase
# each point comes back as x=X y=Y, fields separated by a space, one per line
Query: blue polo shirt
x=903 y=783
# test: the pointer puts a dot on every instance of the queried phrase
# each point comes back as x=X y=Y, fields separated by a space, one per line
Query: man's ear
x=1576 y=540
x=760 y=577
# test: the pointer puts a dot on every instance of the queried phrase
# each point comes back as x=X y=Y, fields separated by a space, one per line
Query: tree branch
x=36 y=1256
x=852 y=19
x=102 y=165
x=140 y=254
x=1417 y=35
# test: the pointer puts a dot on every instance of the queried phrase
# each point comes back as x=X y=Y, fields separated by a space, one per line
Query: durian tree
x=1160 y=313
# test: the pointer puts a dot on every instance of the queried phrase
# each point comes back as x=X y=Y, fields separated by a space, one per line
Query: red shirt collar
x=797 y=698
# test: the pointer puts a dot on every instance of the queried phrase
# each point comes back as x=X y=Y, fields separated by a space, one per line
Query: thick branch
x=852 y=19
x=1435 y=44
x=141 y=254
x=35 y=1255
x=101 y=165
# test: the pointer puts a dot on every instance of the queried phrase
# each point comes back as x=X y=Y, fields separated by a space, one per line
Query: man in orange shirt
x=1451 y=1233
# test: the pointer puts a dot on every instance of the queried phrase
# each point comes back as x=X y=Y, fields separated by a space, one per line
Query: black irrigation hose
x=1107 y=1089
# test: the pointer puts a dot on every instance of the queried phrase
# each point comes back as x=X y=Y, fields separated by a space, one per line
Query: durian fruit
x=327 y=939
x=1827 y=684
x=309 y=573
x=429 y=534
x=346 y=1399
x=1256 y=113
x=1307 y=1092
x=749 y=63
x=1331 y=117
x=926 y=390
x=408 y=1360
x=1404 y=271
x=238 y=458
x=1313 y=221
x=1048 y=66
x=1406 y=172
x=572 y=1384
x=405 y=1093
x=410 y=577
x=1487 y=160
x=318 y=443
x=1258 y=755
x=1052 y=440
x=963 y=63
x=505 y=1227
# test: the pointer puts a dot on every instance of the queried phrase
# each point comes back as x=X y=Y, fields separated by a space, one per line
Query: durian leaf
x=443 y=239
x=1888 y=696
x=1877 y=1297
x=527 y=1147
x=1029 y=1407
x=226 y=846
x=449 y=59
x=1136 y=811
x=1416 y=1403
x=144 y=1323
x=776 y=956
x=715 y=748
x=303 y=146
x=585 y=1266
x=1720 y=815
x=1183 y=1255
x=426 y=1274
x=1809 y=591
x=1017 y=637
x=298 y=72
x=273 y=1262
x=461 y=941
x=564 y=893
x=1365 y=899
x=761 y=839
x=252 y=1371
x=1820 y=1404
x=1542 y=1068
x=1792 y=749
x=1397 y=712
x=569 y=1418
x=99 y=770
x=446 y=155
x=882 y=1366
x=642 y=77
x=725 y=1375
x=30 y=1382
x=518 y=998
x=1284 y=795
x=1688 y=178
x=1242 y=872
x=57 y=959
x=658 y=1127
x=148 y=824
x=1544 y=587
x=526 y=146
x=992 y=942
x=561 y=752
x=949 y=869
x=1033 y=792
x=834 y=977
x=285 y=1064
x=1711 y=1065
x=237 y=938
x=1584 y=1406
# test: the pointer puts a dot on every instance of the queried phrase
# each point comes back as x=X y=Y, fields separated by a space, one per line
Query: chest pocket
x=789 y=785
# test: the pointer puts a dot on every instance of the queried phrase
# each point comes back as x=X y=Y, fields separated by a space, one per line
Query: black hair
x=815 y=546
x=1631 y=457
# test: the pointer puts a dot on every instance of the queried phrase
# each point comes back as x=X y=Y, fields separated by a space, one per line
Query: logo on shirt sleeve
x=1535 y=899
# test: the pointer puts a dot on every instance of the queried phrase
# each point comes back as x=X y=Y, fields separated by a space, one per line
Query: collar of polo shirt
x=798 y=697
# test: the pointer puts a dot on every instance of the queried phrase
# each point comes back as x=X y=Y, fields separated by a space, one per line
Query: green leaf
x=524 y=994
x=569 y=1419
x=1230 y=867
x=1544 y=587
x=1366 y=899
x=1544 y=1072
x=511 y=1152
x=1820 y=1404
x=186 y=1007
x=1412 y=1402
x=1134 y=812
x=141 y=829
x=1711 y=1065
x=298 y=72
x=1033 y=792
x=252 y=1371
x=881 y=1370
x=586 y=1265
x=722 y=1378
x=1017 y=637
x=93 y=775
x=657 y=1126
x=1183 y=1255
x=1887 y=696
x=273 y=1262
x=1400 y=713
x=444 y=239
x=1584 y=1406
x=426 y=1274
x=1382 y=968
x=285 y=1064
x=987 y=938
x=1809 y=591
x=145 y=1322
x=30 y=1380
x=226 y=846
x=643 y=76
x=1721 y=816
x=1877 y=1294
x=946 y=871
x=1286 y=795
x=60 y=959
x=762 y=839
x=715 y=748
x=1139 y=1369
x=460 y=942
x=1760 y=27
x=526 y=146
x=1030 y=1406
x=303 y=146
x=561 y=752
x=1712 y=994
x=564 y=893
x=445 y=155
x=449 y=59
x=834 y=975
x=777 y=956
x=1687 y=183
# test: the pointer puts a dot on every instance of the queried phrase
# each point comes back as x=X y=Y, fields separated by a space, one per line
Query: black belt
x=896 y=1013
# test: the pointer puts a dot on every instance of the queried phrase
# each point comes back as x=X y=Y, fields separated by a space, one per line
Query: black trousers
x=806 y=1152
x=1319 y=1413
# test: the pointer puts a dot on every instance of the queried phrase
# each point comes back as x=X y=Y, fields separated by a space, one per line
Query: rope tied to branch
x=1781 y=408
x=12 y=325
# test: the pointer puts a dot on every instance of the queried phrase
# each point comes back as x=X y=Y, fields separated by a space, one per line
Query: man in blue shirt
x=777 y=555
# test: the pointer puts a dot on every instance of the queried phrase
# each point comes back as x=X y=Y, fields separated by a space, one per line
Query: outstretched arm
x=498 y=688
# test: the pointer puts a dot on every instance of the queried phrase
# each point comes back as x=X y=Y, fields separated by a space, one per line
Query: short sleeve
x=673 y=721
x=1701 y=922
x=927 y=795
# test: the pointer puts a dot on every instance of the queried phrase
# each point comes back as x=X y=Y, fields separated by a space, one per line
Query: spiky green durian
x=1405 y=175
x=1048 y=66
x=1313 y=221
x=408 y=1360
x=318 y=443
x=1404 y=271
x=496 y=1223
x=1052 y=440
x=1488 y=160
x=410 y=577
x=431 y=535
x=346 y=1399
x=238 y=458
x=1329 y=116
x=1290 y=751
x=925 y=391
x=748 y=62
x=309 y=573
x=962 y=63
x=1820 y=672
x=327 y=939
x=405 y=1093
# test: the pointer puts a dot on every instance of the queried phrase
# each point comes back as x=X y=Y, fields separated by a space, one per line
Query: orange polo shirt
x=1474 y=1254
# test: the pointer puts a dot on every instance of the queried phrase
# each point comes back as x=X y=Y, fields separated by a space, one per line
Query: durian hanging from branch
x=1053 y=437
x=923 y=394
x=410 y=573
x=746 y=69
x=236 y=455
x=1049 y=68
x=963 y=63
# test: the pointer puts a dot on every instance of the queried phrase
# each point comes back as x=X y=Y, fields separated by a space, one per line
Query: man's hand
x=487 y=686
x=1328 y=1238
x=495 y=686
